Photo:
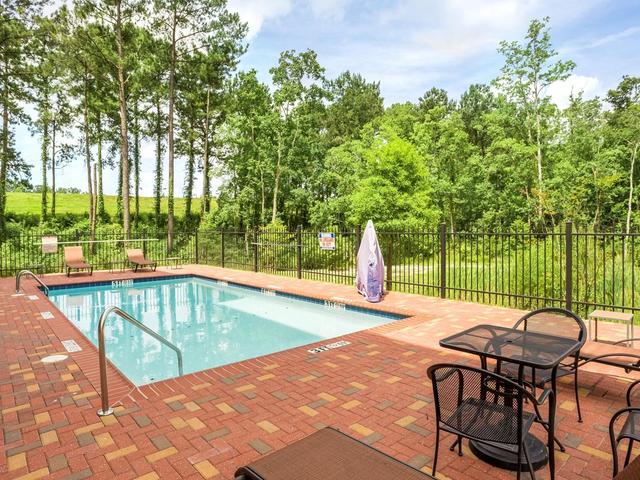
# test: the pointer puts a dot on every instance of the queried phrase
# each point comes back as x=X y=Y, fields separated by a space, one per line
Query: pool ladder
x=22 y=273
x=104 y=388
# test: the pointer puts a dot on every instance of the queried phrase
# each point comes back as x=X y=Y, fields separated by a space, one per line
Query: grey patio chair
x=630 y=429
x=552 y=321
x=483 y=407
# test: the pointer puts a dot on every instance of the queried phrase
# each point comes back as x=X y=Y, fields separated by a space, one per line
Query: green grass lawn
x=21 y=203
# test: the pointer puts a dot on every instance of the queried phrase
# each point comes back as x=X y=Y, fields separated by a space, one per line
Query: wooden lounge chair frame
x=305 y=459
x=74 y=260
x=137 y=259
x=616 y=355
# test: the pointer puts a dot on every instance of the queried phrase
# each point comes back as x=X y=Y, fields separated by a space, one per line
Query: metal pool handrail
x=22 y=273
x=104 y=388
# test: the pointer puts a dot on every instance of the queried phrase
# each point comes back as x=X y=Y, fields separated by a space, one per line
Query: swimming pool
x=213 y=323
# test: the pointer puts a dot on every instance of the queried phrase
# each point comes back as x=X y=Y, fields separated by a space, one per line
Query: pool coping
x=124 y=388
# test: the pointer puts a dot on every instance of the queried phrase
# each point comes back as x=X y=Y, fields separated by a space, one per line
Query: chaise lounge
x=329 y=453
x=74 y=260
x=137 y=259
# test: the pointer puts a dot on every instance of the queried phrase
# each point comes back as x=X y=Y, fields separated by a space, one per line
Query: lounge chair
x=74 y=260
x=325 y=454
x=136 y=258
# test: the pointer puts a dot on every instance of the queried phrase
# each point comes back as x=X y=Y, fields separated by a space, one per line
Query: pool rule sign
x=327 y=240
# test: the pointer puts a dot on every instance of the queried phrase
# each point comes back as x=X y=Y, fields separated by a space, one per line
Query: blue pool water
x=212 y=323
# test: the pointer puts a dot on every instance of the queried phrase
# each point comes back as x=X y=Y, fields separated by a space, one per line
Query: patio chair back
x=554 y=321
x=135 y=254
x=73 y=255
x=479 y=404
x=633 y=394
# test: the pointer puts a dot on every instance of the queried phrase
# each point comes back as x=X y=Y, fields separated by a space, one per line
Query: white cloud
x=256 y=12
x=562 y=90
x=605 y=40
x=333 y=9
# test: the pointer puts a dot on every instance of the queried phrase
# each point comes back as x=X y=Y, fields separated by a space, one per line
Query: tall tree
x=625 y=133
x=475 y=104
x=112 y=40
x=17 y=19
x=186 y=26
x=525 y=77
x=355 y=102
x=298 y=95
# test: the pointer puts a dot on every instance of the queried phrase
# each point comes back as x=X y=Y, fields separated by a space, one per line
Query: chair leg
x=526 y=456
x=555 y=439
x=576 y=390
x=457 y=442
x=628 y=456
x=435 y=455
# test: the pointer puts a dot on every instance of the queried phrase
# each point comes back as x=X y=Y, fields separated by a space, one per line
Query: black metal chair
x=630 y=428
x=552 y=321
x=484 y=407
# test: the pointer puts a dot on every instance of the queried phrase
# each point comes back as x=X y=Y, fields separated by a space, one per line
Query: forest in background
x=305 y=150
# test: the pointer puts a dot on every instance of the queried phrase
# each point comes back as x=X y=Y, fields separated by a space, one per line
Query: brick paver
x=206 y=424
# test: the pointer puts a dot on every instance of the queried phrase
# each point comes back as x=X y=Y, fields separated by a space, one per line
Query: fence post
x=255 y=249
x=197 y=254
x=299 y=251
x=222 y=248
x=389 y=264
x=568 y=274
x=358 y=237
x=443 y=260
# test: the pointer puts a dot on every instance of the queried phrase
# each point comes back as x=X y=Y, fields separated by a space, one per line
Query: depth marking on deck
x=18 y=295
x=46 y=315
x=329 y=346
x=71 y=346
x=32 y=297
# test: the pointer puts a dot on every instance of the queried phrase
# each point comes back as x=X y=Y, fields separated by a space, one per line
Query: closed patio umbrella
x=370 y=273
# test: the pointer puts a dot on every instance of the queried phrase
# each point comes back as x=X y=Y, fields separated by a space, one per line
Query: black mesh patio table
x=526 y=349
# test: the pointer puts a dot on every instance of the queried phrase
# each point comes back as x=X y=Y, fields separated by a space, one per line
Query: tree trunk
x=538 y=151
x=206 y=181
x=87 y=143
x=136 y=160
x=94 y=214
x=157 y=188
x=4 y=160
x=124 y=138
x=634 y=155
x=53 y=167
x=276 y=184
x=263 y=199
x=119 y=205
x=44 y=154
x=100 y=211
x=188 y=191
x=172 y=73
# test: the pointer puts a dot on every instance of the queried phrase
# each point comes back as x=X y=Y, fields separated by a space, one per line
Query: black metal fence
x=516 y=269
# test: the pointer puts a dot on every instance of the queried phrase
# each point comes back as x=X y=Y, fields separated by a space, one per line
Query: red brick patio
x=205 y=425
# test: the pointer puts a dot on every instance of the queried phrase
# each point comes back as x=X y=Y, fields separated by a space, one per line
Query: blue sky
x=411 y=45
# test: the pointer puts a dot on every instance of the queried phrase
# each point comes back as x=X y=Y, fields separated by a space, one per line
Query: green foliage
x=305 y=150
